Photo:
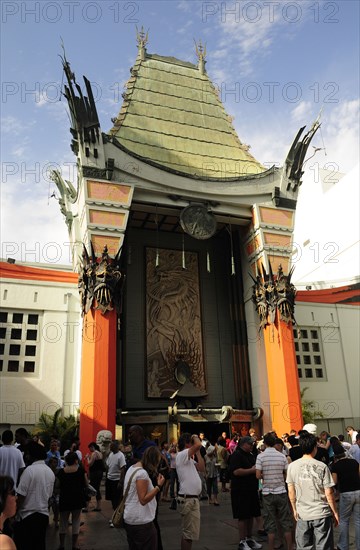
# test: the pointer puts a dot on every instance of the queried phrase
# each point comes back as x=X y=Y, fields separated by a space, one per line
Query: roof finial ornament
x=201 y=55
x=142 y=40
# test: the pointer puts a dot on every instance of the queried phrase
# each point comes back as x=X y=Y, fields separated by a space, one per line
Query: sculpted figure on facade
x=100 y=282
x=104 y=439
x=274 y=293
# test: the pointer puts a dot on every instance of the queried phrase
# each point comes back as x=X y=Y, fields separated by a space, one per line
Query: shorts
x=245 y=505
x=276 y=508
x=189 y=509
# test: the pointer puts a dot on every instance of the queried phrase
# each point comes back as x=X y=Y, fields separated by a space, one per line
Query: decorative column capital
x=100 y=282
x=274 y=293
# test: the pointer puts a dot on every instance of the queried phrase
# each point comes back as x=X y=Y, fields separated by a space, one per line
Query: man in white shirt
x=11 y=459
x=114 y=483
x=74 y=448
x=271 y=468
x=189 y=487
x=33 y=492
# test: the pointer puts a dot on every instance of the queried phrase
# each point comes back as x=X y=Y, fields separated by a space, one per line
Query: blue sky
x=276 y=65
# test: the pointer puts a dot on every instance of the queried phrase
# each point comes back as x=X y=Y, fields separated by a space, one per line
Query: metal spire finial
x=141 y=37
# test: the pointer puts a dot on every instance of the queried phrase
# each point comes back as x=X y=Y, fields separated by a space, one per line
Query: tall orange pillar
x=283 y=381
x=98 y=375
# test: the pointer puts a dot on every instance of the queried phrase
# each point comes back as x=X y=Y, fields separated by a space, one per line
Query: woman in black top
x=71 y=483
x=96 y=471
x=345 y=472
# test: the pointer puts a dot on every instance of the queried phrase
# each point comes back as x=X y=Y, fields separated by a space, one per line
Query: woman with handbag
x=140 y=503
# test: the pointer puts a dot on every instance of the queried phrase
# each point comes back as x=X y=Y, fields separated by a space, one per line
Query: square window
x=308 y=373
x=305 y=346
x=2 y=349
x=319 y=373
x=300 y=373
x=314 y=334
x=3 y=316
x=304 y=333
x=14 y=349
x=295 y=332
x=13 y=366
x=298 y=359
x=18 y=317
x=317 y=359
x=29 y=366
x=296 y=346
x=33 y=319
x=316 y=346
x=16 y=334
x=1 y=364
x=30 y=351
x=31 y=334
x=2 y=333
x=307 y=359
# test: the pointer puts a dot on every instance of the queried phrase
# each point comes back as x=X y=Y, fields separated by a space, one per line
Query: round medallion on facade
x=198 y=222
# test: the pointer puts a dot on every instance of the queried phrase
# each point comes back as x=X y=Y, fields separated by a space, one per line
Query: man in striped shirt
x=271 y=466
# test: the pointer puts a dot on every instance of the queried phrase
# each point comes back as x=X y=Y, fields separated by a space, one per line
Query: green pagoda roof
x=172 y=118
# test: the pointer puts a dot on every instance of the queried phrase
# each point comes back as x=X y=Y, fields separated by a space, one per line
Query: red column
x=283 y=381
x=98 y=375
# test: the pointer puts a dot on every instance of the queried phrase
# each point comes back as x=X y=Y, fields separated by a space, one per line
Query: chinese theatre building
x=185 y=242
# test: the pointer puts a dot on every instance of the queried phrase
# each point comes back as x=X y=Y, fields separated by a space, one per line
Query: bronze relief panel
x=174 y=346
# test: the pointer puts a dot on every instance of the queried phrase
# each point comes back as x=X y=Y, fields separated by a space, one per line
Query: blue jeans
x=173 y=480
x=349 y=506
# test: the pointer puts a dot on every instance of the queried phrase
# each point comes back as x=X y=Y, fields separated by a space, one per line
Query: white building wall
x=55 y=383
x=337 y=394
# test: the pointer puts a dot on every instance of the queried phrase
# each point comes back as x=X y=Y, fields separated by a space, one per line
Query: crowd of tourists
x=292 y=489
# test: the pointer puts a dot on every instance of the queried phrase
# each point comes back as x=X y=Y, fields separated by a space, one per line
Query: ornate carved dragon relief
x=274 y=293
x=173 y=325
x=100 y=282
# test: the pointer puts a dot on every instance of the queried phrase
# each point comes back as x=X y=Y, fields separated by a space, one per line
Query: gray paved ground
x=218 y=529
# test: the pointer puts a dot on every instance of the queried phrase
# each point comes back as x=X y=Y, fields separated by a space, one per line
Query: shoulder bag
x=118 y=515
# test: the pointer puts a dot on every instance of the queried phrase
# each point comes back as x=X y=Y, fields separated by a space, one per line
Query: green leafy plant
x=56 y=426
x=310 y=409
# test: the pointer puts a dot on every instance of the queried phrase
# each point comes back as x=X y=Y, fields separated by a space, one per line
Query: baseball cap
x=311 y=428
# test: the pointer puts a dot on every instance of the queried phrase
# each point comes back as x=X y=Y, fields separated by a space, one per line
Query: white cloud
x=340 y=131
x=303 y=111
x=11 y=125
x=184 y=6
x=45 y=242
